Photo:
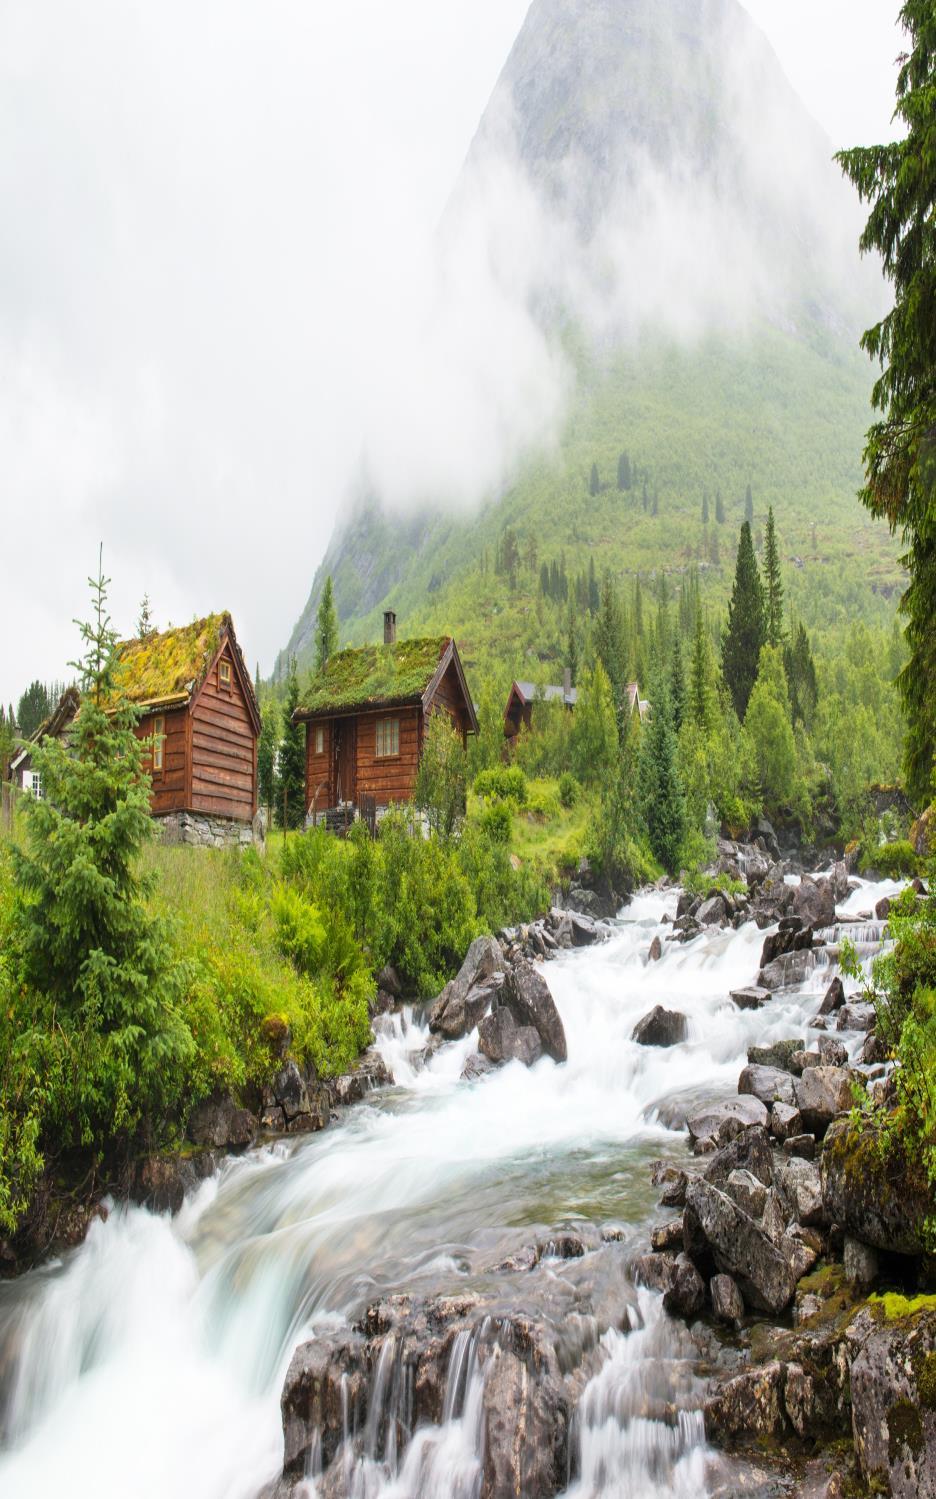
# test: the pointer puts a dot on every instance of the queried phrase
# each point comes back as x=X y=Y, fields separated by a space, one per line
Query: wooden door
x=345 y=758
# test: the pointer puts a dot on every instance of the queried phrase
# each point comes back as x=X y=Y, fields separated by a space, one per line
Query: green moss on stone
x=926 y=1383
x=894 y=1307
x=374 y=674
x=904 y=1430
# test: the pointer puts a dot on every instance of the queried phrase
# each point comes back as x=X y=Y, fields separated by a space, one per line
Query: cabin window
x=319 y=740
x=388 y=737
x=32 y=781
x=224 y=673
x=159 y=737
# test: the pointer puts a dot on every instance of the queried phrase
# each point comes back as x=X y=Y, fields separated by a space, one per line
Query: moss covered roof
x=170 y=664
x=374 y=674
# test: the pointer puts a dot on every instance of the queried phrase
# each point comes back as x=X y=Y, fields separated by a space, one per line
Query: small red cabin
x=366 y=717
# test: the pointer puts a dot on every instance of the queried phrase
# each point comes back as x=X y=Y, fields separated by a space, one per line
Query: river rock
x=712 y=912
x=883 y=908
x=777 y=1054
x=791 y=936
x=660 y=1027
x=749 y=1405
x=476 y=1066
x=832 y=1052
x=501 y=1039
x=785 y=1121
x=220 y=1123
x=814 y=902
x=821 y=1094
x=787 y=972
x=739 y=1247
x=685 y=1296
x=655 y=1271
x=860 y=1262
x=160 y=1183
x=750 y=998
x=667 y=1236
x=800 y=1254
x=584 y=930
x=747 y=1191
x=749 y=1151
x=727 y=1301
x=775 y=1217
x=801 y=1146
x=655 y=952
x=467 y=997
x=883 y=1202
x=525 y=1427
x=834 y=997
x=369 y=1073
x=768 y=1084
x=389 y=980
x=893 y=1404
x=856 y=1017
x=672 y=1181
x=800 y=1186
x=527 y=996
x=721 y=1122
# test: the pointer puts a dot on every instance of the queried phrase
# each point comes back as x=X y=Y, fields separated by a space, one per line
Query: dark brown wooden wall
x=223 y=773
x=169 y=784
x=319 y=769
x=449 y=695
x=390 y=778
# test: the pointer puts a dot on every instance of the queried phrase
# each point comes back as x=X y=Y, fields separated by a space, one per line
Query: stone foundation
x=204 y=831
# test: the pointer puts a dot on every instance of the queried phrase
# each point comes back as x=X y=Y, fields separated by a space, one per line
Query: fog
x=223 y=287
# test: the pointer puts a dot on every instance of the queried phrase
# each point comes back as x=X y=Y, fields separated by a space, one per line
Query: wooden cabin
x=56 y=726
x=198 y=718
x=518 y=713
x=366 y=716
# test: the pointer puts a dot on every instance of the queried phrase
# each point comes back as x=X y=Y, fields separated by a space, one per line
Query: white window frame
x=159 y=743
x=224 y=681
x=32 y=782
x=319 y=740
x=387 y=745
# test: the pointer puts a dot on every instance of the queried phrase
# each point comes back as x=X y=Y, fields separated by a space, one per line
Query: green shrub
x=893 y=861
x=506 y=783
x=569 y=790
x=496 y=822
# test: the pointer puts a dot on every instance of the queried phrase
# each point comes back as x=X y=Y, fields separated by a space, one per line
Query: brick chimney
x=389 y=627
x=567 y=681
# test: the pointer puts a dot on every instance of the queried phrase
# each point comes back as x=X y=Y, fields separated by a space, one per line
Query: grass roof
x=169 y=664
x=374 y=674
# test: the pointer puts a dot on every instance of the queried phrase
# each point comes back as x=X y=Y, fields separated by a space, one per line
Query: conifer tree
x=544 y=580
x=899 y=182
x=719 y=507
x=609 y=639
x=573 y=650
x=326 y=627
x=677 y=684
x=701 y=696
x=749 y=506
x=594 y=596
x=655 y=507
x=144 y=624
x=290 y=770
x=705 y=510
x=773 y=583
x=747 y=626
x=660 y=791
x=33 y=708
x=801 y=677
x=594 y=482
x=266 y=756
x=624 y=472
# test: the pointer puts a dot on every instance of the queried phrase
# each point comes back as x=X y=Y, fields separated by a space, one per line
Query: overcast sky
x=208 y=208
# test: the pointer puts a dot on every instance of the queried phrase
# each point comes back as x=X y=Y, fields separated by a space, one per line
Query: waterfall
x=151 y=1360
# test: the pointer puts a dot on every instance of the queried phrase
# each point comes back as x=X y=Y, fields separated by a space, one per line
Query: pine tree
x=544 y=580
x=701 y=696
x=290 y=770
x=609 y=639
x=719 y=507
x=573 y=650
x=33 y=709
x=749 y=506
x=326 y=627
x=660 y=791
x=677 y=684
x=747 y=625
x=594 y=482
x=267 y=746
x=801 y=677
x=773 y=583
x=705 y=510
x=899 y=182
x=624 y=472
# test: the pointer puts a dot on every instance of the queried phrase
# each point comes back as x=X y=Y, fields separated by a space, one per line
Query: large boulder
x=856 y=1017
x=821 y=1094
x=220 y=1123
x=468 y=996
x=769 y=1084
x=834 y=997
x=501 y=1039
x=791 y=936
x=583 y=928
x=777 y=1054
x=721 y=1122
x=749 y=1405
x=525 y=1426
x=751 y=997
x=369 y=1073
x=527 y=996
x=800 y=1186
x=893 y=1395
x=739 y=1247
x=789 y=971
x=660 y=1028
x=712 y=912
x=881 y=1199
x=748 y=1151
x=685 y=1295
x=814 y=902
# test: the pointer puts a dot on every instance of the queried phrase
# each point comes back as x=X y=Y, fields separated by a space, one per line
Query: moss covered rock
x=881 y=1199
x=893 y=1393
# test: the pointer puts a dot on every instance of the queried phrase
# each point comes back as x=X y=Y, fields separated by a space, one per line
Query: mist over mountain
x=649 y=249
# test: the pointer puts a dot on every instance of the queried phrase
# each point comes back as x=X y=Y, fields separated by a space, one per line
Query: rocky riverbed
x=551 y=1249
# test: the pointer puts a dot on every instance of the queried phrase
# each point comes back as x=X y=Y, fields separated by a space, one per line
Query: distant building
x=366 y=716
x=523 y=697
x=22 y=774
x=199 y=721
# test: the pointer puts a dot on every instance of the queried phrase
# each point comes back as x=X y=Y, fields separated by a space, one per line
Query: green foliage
x=505 y=783
x=899 y=182
x=497 y=822
x=440 y=786
x=266 y=754
x=326 y=627
x=747 y=625
x=290 y=787
x=397 y=673
x=594 y=739
x=662 y=801
x=33 y=708
x=773 y=583
x=697 y=882
x=769 y=732
x=569 y=789
x=893 y=861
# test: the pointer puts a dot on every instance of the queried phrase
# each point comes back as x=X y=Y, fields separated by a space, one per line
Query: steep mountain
x=655 y=198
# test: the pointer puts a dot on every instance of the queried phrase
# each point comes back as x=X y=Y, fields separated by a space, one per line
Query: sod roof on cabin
x=374 y=674
x=170 y=664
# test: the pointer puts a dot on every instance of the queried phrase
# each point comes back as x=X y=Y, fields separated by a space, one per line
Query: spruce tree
x=144 y=624
x=624 y=472
x=544 y=580
x=594 y=482
x=899 y=182
x=801 y=677
x=33 y=709
x=326 y=627
x=773 y=583
x=610 y=645
x=290 y=771
x=747 y=625
x=267 y=746
x=749 y=506
x=677 y=684
x=719 y=507
x=701 y=696
x=660 y=790
x=573 y=650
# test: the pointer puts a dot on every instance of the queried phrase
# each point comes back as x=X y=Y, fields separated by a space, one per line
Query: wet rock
x=656 y=951
x=672 y=1181
x=389 y=980
x=289 y=1091
x=785 y=1121
x=467 y=997
x=712 y=912
x=160 y=1183
x=792 y=936
x=323 y=1375
x=750 y=998
x=860 y=1262
x=749 y=1193
x=821 y=1094
x=856 y=1017
x=893 y=1405
x=749 y=1151
x=802 y=1147
x=527 y=995
x=727 y=1301
x=787 y=972
x=814 y=902
x=476 y=1066
x=873 y=1052
x=219 y=1122
x=800 y=1186
x=660 y=1028
x=749 y=1405
x=721 y=1122
x=882 y=1201
x=778 y=1054
x=656 y=1271
x=832 y=1052
x=667 y=1236
x=351 y=1087
x=685 y=1296
x=502 y=1040
x=525 y=1427
x=739 y=1247
x=834 y=997
x=883 y=907
x=768 y=1084
x=584 y=930
x=273 y=1120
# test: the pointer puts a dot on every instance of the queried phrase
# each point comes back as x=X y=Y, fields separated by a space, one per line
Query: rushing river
x=149 y=1363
